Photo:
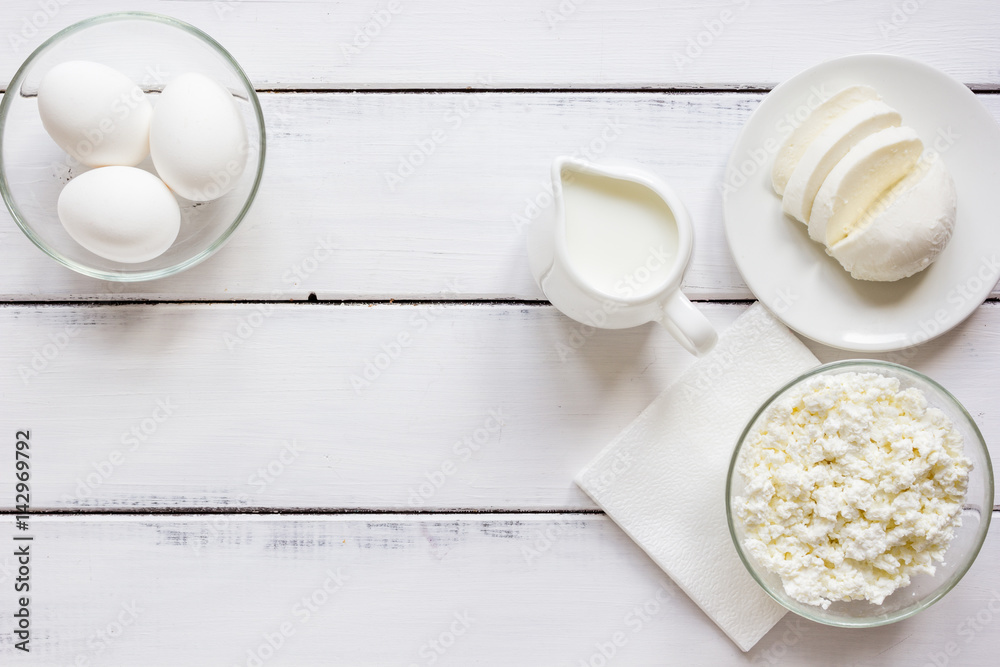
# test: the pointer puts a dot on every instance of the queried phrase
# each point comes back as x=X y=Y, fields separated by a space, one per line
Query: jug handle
x=687 y=324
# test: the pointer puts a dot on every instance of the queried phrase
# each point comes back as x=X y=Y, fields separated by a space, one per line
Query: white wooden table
x=218 y=482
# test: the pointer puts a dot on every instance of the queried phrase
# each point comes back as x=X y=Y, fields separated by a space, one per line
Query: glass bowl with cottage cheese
x=859 y=493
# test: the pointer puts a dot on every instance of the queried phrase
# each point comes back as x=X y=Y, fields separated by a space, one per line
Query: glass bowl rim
x=957 y=576
x=150 y=274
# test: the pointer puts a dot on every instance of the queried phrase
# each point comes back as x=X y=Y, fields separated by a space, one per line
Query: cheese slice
x=905 y=229
x=876 y=163
x=796 y=143
x=828 y=148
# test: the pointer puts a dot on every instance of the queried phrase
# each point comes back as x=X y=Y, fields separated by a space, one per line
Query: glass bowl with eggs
x=131 y=146
x=859 y=493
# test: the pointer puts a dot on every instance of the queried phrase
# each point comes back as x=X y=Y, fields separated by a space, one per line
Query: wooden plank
x=329 y=221
x=564 y=43
x=391 y=406
x=415 y=589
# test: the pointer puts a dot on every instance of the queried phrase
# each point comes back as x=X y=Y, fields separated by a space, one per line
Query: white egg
x=95 y=113
x=197 y=138
x=120 y=213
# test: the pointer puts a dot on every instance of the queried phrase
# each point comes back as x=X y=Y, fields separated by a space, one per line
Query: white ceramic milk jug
x=613 y=250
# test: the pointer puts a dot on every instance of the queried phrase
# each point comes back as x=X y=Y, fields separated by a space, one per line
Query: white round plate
x=809 y=290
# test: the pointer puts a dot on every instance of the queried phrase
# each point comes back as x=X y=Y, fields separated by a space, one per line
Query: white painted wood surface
x=539 y=588
x=532 y=590
x=199 y=401
x=330 y=224
x=600 y=44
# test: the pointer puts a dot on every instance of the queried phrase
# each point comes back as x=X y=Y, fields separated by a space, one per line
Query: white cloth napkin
x=663 y=479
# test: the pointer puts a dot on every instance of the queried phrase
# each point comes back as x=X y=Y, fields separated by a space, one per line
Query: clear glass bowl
x=150 y=49
x=924 y=590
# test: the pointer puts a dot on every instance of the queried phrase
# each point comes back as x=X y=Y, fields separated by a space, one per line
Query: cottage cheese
x=852 y=486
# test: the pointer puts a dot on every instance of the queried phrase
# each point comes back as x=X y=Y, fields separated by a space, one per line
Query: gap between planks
x=979 y=89
x=690 y=90
x=307 y=511
x=304 y=513
x=491 y=301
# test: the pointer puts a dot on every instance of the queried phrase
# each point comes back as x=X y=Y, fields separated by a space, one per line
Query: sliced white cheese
x=876 y=163
x=819 y=119
x=828 y=148
x=905 y=229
